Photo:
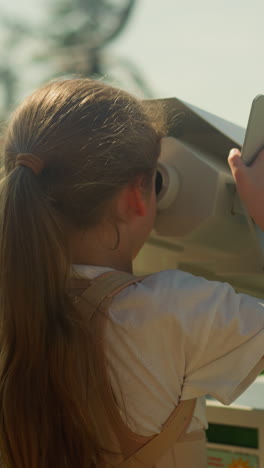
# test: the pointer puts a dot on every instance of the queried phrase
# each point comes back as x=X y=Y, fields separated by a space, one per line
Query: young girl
x=94 y=364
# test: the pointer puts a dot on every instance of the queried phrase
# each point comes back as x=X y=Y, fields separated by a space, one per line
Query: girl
x=93 y=363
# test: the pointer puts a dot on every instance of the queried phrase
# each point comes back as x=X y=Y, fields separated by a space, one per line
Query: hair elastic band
x=31 y=161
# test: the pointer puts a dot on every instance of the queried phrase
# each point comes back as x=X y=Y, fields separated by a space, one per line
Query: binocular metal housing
x=201 y=225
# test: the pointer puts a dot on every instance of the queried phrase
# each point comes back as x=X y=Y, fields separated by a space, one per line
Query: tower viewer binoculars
x=201 y=225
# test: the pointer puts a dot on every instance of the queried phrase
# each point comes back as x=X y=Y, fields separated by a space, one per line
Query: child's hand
x=250 y=184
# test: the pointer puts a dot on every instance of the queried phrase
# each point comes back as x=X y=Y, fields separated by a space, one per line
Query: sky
x=209 y=53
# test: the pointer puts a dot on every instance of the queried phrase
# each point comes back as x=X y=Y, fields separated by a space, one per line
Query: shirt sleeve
x=222 y=334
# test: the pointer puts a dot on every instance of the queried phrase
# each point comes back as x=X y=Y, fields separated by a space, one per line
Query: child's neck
x=93 y=248
x=115 y=264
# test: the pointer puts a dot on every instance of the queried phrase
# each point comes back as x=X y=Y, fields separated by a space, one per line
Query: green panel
x=225 y=459
x=233 y=435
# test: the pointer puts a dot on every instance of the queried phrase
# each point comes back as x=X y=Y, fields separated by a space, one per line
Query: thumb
x=237 y=165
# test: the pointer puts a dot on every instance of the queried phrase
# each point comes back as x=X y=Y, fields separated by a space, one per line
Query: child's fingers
x=250 y=183
x=234 y=157
x=237 y=166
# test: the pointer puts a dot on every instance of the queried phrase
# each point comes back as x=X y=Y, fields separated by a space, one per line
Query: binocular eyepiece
x=167 y=185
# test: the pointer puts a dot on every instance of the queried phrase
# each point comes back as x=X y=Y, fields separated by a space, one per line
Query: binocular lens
x=158 y=183
x=167 y=185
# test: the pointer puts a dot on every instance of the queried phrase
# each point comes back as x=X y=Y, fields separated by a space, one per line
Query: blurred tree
x=72 y=40
x=80 y=33
x=11 y=37
x=81 y=29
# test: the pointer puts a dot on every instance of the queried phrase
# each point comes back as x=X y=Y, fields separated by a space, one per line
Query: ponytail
x=39 y=339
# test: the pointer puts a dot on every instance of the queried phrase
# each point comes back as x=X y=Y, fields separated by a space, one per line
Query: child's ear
x=136 y=201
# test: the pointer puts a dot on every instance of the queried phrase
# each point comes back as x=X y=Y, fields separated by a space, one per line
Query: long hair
x=93 y=140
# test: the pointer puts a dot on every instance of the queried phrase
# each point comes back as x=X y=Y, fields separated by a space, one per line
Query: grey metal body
x=202 y=228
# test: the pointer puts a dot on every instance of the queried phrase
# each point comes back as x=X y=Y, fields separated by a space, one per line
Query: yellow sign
x=225 y=459
x=239 y=463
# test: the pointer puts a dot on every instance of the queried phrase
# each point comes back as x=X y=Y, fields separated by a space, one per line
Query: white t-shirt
x=174 y=335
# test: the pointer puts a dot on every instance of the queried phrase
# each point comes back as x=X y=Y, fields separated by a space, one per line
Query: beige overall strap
x=102 y=287
x=153 y=450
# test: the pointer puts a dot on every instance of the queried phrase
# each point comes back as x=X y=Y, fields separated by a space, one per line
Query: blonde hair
x=93 y=139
